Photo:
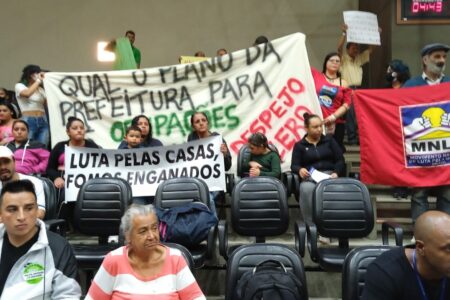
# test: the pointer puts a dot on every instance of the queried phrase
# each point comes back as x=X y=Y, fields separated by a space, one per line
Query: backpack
x=269 y=282
x=187 y=224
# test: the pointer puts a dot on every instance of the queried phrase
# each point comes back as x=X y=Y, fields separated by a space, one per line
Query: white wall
x=61 y=35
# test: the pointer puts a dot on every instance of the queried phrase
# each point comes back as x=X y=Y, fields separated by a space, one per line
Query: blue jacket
x=419 y=81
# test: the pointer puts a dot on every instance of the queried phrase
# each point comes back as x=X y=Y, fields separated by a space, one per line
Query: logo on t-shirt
x=327 y=95
x=426 y=134
x=33 y=273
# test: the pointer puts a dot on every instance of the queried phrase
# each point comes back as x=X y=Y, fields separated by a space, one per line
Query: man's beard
x=437 y=69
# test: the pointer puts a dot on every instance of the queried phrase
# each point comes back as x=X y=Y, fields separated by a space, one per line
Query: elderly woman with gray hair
x=144 y=267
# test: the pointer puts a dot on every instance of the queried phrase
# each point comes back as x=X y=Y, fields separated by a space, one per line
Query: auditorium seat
x=342 y=209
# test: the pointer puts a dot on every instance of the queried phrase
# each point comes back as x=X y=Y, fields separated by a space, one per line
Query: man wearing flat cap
x=433 y=63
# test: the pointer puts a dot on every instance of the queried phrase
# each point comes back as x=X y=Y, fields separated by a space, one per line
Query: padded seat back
x=246 y=257
x=51 y=199
x=259 y=207
x=101 y=203
x=342 y=208
x=355 y=267
x=178 y=191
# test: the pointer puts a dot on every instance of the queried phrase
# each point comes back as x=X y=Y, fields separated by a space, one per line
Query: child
x=133 y=138
x=262 y=161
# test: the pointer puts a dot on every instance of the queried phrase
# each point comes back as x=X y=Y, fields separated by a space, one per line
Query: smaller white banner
x=362 y=27
x=145 y=168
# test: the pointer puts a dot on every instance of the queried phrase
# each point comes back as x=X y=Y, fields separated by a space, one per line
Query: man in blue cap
x=433 y=63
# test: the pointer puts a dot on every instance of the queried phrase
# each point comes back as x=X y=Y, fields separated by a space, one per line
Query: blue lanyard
x=419 y=281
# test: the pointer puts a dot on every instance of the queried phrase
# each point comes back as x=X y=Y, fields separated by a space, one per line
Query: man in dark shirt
x=433 y=63
x=420 y=273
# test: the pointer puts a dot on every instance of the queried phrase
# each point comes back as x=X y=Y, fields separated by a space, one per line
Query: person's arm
x=342 y=39
x=32 y=88
x=40 y=196
x=102 y=285
x=275 y=166
x=52 y=167
x=296 y=159
x=42 y=155
x=41 y=213
x=226 y=155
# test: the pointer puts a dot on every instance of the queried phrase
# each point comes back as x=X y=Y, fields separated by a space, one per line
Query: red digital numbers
x=419 y=7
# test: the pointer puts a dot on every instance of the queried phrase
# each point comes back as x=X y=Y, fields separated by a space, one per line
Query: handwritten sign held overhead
x=362 y=27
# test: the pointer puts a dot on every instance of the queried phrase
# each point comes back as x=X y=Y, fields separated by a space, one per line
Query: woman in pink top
x=7 y=118
x=144 y=268
x=334 y=96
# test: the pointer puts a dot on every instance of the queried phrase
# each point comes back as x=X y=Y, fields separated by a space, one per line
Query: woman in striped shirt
x=144 y=268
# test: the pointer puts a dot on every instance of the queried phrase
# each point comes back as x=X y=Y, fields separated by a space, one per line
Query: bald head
x=431 y=224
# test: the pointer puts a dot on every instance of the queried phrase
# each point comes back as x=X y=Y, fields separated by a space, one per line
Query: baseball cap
x=434 y=47
x=5 y=152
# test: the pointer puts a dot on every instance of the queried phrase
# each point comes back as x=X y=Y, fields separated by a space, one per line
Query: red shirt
x=331 y=96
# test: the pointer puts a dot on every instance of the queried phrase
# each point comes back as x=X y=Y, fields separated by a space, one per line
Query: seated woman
x=31 y=156
x=144 y=268
x=7 y=118
x=55 y=169
x=148 y=140
x=200 y=130
x=317 y=151
x=262 y=160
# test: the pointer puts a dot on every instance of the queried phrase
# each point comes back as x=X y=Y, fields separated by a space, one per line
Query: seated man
x=420 y=273
x=34 y=263
x=8 y=173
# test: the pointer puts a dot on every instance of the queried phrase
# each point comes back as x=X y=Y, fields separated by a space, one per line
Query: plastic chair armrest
x=223 y=239
x=296 y=186
x=210 y=241
x=57 y=226
x=312 y=238
x=300 y=237
x=229 y=180
x=396 y=228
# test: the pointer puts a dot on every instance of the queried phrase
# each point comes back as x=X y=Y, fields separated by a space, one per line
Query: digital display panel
x=423 y=11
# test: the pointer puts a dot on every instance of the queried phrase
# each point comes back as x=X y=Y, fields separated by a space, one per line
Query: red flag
x=404 y=135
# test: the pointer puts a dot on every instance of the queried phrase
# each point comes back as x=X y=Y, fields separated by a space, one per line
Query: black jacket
x=326 y=156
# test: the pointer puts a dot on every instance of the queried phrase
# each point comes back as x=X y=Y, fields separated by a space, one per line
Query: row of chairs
x=341 y=209
x=355 y=266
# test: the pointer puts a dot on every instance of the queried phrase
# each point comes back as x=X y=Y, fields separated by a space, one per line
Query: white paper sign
x=145 y=168
x=362 y=27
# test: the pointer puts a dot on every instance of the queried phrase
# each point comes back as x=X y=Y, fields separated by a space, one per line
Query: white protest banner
x=265 y=88
x=362 y=27
x=145 y=168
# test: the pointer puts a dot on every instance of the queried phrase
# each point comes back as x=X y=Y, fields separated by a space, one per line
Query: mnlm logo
x=426 y=134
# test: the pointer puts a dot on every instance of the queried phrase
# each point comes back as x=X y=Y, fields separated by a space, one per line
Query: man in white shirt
x=8 y=173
